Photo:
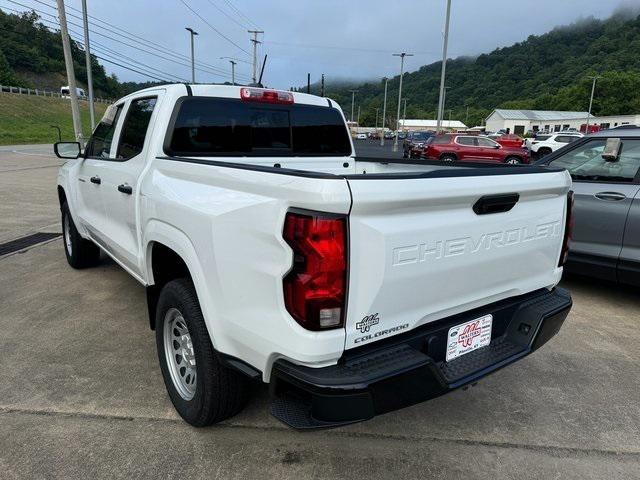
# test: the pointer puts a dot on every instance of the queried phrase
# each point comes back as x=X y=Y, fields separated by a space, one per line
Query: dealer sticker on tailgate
x=469 y=336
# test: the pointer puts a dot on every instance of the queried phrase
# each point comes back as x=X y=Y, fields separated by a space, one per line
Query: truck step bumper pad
x=411 y=368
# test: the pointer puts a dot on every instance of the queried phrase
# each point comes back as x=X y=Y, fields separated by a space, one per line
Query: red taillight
x=314 y=289
x=568 y=230
x=266 y=96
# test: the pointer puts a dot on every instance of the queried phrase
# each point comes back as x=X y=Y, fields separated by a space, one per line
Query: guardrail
x=43 y=93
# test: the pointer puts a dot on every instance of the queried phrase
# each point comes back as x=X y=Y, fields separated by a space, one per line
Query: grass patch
x=27 y=119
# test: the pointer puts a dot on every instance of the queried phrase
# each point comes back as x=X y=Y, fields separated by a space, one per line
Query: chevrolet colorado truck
x=270 y=252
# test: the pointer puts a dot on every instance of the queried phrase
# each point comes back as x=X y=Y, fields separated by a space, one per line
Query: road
x=81 y=395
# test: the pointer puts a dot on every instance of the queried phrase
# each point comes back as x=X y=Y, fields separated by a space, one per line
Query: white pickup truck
x=271 y=252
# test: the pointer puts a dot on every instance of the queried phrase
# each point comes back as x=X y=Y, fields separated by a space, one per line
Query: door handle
x=96 y=180
x=610 y=196
x=124 y=188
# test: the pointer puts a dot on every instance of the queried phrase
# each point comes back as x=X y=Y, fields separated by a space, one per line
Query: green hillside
x=27 y=119
x=31 y=56
x=549 y=71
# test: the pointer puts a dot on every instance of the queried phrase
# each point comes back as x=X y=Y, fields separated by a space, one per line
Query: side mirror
x=67 y=150
x=497 y=145
x=612 y=148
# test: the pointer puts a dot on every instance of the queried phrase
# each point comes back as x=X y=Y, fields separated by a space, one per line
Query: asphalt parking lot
x=81 y=395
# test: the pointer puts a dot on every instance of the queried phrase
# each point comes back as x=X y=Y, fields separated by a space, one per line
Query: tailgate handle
x=495 y=203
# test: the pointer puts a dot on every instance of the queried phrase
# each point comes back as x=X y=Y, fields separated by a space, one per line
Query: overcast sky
x=342 y=39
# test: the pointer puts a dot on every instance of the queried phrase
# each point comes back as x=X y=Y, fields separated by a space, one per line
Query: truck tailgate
x=419 y=252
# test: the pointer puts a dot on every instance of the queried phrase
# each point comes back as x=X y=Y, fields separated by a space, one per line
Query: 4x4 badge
x=367 y=322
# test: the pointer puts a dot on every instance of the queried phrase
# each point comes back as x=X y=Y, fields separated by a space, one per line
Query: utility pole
x=87 y=54
x=358 y=117
x=444 y=66
x=404 y=115
x=401 y=55
x=193 y=61
x=466 y=118
x=384 y=110
x=71 y=76
x=255 y=42
x=233 y=71
x=441 y=114
x=593 y=90
x=353 y=101
x=322 y=86
x=377 y=110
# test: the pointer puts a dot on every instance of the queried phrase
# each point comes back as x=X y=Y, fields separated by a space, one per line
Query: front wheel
x=448 y=158
x=80 y=253
x=202 y=390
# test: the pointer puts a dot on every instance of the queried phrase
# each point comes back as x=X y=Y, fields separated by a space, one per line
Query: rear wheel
x=513 y=160
x=544 y=151
x=80 y=253
x=448 y=158
x=201 y=388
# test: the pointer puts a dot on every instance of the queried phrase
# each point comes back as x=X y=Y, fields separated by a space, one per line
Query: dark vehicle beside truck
x=605 y=168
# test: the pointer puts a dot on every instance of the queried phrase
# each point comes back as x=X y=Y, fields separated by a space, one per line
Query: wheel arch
x=169 y=254
x=62 y=196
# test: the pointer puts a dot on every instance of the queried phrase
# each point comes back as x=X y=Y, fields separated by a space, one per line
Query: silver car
x=605 y=168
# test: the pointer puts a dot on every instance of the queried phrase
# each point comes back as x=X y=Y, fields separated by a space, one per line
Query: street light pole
x=377 y=110
x=401 y=55
x=441 y=114
x=87 y=54
x=233 y=72
x=444 y=66
x=384 y=110
x=593 y=90
x=193 y=61
x=353 y=100
x=404 y=115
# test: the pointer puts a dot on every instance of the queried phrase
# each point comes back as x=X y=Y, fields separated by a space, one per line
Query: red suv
x=461 y=147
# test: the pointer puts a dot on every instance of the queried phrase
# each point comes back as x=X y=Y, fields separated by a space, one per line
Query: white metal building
x=520 y=121
x=611 y=121
x=413 y=125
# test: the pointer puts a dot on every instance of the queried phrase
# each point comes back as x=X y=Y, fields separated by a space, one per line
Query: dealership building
x=521 y=121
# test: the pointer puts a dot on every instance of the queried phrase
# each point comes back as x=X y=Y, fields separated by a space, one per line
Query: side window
x=99 y=145
x=486 y=142
x=586 y=163
x=467 y=141
x=134 y=129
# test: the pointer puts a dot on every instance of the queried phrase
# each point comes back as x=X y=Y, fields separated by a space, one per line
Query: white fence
x=42 y=93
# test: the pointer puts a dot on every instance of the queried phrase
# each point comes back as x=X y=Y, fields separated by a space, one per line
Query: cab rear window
x=206 y=126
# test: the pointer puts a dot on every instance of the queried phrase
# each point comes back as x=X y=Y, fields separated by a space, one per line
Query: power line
x=133 y=36
x=210 y=70
x=203 y=67
x=213 y=28
x=143 y=73
x=239 y=12
x=230 y=17
x=338 y=47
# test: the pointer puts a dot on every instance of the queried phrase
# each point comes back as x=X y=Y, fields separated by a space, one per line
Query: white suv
x=545 y=144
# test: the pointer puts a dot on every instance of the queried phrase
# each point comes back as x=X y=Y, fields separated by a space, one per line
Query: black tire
x=80 y=253
x=544 y=151
x=448 y=158
x=220 y=392
x=513 y=160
